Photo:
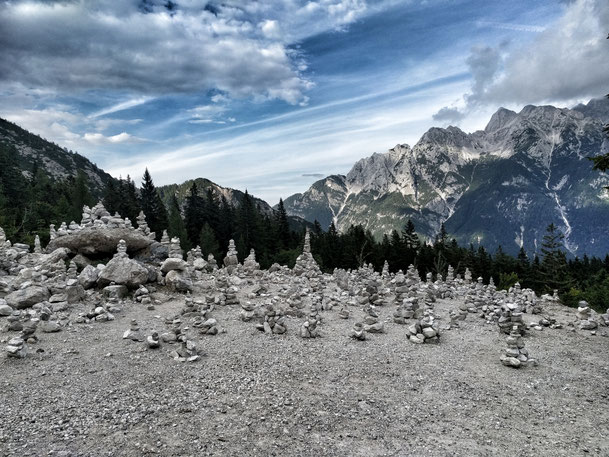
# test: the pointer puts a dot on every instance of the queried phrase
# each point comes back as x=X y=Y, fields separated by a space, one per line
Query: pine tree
x=176 y=227
x=409 y=234
x=80 y=196
x=554 y=263
x=208 y=241
x=194 y=214
x=111 y=198
x=152 y=206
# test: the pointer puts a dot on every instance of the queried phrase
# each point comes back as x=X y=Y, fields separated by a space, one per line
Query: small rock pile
x=426 y=330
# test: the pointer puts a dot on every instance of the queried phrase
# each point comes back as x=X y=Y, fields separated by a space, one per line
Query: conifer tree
x=208 y=241
x=152 y=206
x=554 y=264
x=194 y=210
x=176 y=226
x=111 y=198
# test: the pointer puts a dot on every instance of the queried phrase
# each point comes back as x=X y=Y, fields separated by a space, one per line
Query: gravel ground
x=91 y=393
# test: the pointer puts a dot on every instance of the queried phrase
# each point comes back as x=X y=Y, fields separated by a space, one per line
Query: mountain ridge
x=530 y=161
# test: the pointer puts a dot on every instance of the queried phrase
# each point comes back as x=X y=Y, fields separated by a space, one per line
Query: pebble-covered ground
x=91 y=393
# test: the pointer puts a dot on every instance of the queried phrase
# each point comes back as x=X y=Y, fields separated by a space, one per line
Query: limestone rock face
x=101 y=240
x=28 y=297
x=124 y=271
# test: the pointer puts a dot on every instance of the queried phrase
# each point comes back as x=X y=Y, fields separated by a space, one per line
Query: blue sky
x=271 y=95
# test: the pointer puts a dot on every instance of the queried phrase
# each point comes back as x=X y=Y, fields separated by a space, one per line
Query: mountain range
x=499 y=186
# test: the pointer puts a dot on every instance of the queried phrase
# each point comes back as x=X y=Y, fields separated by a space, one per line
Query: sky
x=272 y=95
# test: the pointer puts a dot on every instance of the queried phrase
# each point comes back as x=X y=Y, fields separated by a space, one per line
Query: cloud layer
x=158 y=47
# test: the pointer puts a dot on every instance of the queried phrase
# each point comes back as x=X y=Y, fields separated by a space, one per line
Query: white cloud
x=568 y=61
x=123 y=137
x=122 y=106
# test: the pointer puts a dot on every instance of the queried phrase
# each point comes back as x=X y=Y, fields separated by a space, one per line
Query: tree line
x=28 y=204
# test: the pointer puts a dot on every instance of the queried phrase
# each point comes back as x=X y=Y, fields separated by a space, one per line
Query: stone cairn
x=584 y=317
x=426 y=330
x=274 y=321
x=516 y=355
x=134 y=333
x=248 y=311
x=16 y=348
x=305 y=263
x=358 y=332
x=371 y=320
x=231 y=261
x=309 y=327
x=511 y=316
x=249 y=264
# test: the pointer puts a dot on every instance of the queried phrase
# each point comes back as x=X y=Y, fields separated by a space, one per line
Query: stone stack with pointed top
x=305 y=263
x=231 y=261
x=134 y=333
x=309 y=327
x=516 y=355
x=249 y=264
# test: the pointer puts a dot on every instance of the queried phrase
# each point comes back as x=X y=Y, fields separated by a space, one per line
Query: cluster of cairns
x=46 y=289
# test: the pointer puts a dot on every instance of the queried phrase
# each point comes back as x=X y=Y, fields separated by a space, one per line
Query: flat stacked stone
x=372 y=323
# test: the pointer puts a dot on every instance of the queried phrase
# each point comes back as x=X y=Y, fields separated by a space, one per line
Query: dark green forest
x=29 y=204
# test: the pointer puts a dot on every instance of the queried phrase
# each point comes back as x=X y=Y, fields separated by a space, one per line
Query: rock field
x=183 y=358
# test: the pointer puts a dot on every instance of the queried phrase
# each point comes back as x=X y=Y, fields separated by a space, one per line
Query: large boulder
x=124 y=271
x=28 y=297
x=101 y=240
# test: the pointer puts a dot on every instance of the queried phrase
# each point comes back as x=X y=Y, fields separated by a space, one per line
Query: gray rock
x=172 y=264
x=101 y=240
x=115 y=291
x=178 y=282
x=28 y=297
x=5 y=310
x=124 y=271
x=88 y=277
